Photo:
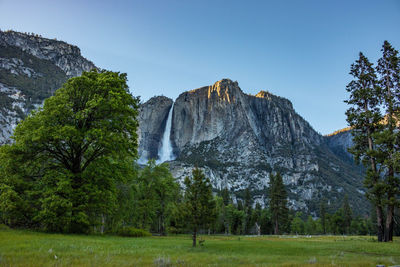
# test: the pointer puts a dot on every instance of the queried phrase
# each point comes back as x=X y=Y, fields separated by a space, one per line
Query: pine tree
x=389 y=70
x=322 y=215
x=247 y=210
x=364 y=117
x=347 y=214
x=277 y=202
x=199 y=201
x=226 y=196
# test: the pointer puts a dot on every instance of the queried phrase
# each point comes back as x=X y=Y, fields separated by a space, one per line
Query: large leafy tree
x=364 y=116
x=278 y=202
x=157 y=194
x=388 y=139
x=68 y=156
x=199 y=203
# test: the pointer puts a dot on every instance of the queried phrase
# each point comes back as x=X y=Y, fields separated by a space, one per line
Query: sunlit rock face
x=31 y=69
x=238 y=139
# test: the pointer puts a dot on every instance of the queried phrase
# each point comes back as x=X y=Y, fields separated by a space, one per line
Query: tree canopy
x=61 y=172
x=374 y=117
x=199 y=202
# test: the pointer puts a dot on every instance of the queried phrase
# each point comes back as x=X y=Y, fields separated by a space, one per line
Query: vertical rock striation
x=238 y=139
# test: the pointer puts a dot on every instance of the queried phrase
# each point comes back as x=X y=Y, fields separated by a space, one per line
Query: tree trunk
x=379 y=219
x=194 y=236
x=390 y=177
x=379 y=209
x=258 y=228
x=103 y=221
x=276 y=230
x=389 y=223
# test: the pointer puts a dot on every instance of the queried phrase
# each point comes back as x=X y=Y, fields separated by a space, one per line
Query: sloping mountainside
x=339 y=142
x=238 y=139
x=31 y=69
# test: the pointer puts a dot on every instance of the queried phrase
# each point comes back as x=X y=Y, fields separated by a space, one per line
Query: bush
x=133 y=232
x=4 y=227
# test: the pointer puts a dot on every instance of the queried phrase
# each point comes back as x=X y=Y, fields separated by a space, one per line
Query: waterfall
x=165 y=152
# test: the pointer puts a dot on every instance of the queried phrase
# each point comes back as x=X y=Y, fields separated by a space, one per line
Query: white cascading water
x=165 y=152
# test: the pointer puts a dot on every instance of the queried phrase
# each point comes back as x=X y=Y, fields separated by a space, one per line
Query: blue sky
x=301 y=50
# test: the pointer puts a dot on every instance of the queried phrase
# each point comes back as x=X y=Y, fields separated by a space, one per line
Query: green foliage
x=235 y=219
x=69 y=156
x=297 y=224
x=156 y=198
x=278 y=202
x=310 y=226
x=388 y=139
x=322 y=215
x=364 y=116
x=133 y=232
x=347 y=215
x=376 y=136
x=4 y=227
x=199 y=203
x=11 y=206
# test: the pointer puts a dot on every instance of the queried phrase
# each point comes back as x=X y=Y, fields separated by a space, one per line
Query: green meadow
x=27 y=248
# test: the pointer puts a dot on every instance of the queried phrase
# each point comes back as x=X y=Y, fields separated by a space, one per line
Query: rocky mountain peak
x=225 y=89
x=264 y=94
x=31 y=69
x=65 y=56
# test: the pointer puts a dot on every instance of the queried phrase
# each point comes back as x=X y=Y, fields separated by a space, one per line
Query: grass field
x=25 y=248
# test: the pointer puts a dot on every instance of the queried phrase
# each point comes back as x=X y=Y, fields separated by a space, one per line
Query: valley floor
x=25 y=248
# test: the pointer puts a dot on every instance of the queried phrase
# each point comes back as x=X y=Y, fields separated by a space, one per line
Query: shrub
x=133 y=232
x=4 y=227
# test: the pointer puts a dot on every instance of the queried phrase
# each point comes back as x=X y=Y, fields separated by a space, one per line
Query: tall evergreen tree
x=347 y=214
x=364 y=117
x=226 y=196
x=248 y=210
x=199 y=202
x=278 y=202
x=388 y=140
x=322 y=215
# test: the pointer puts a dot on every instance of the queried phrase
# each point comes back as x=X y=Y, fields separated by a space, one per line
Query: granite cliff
x=31 y=69
x=238 y=139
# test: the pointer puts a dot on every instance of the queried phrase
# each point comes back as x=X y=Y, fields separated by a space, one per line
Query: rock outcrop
x=238 y=139
x=65 y=56
x=31 y=69
x=339 y=142
x=155 y=111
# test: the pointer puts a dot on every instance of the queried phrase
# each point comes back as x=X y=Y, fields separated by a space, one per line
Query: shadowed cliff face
x=238 y=139
x=340 y=142
x=152 y=119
